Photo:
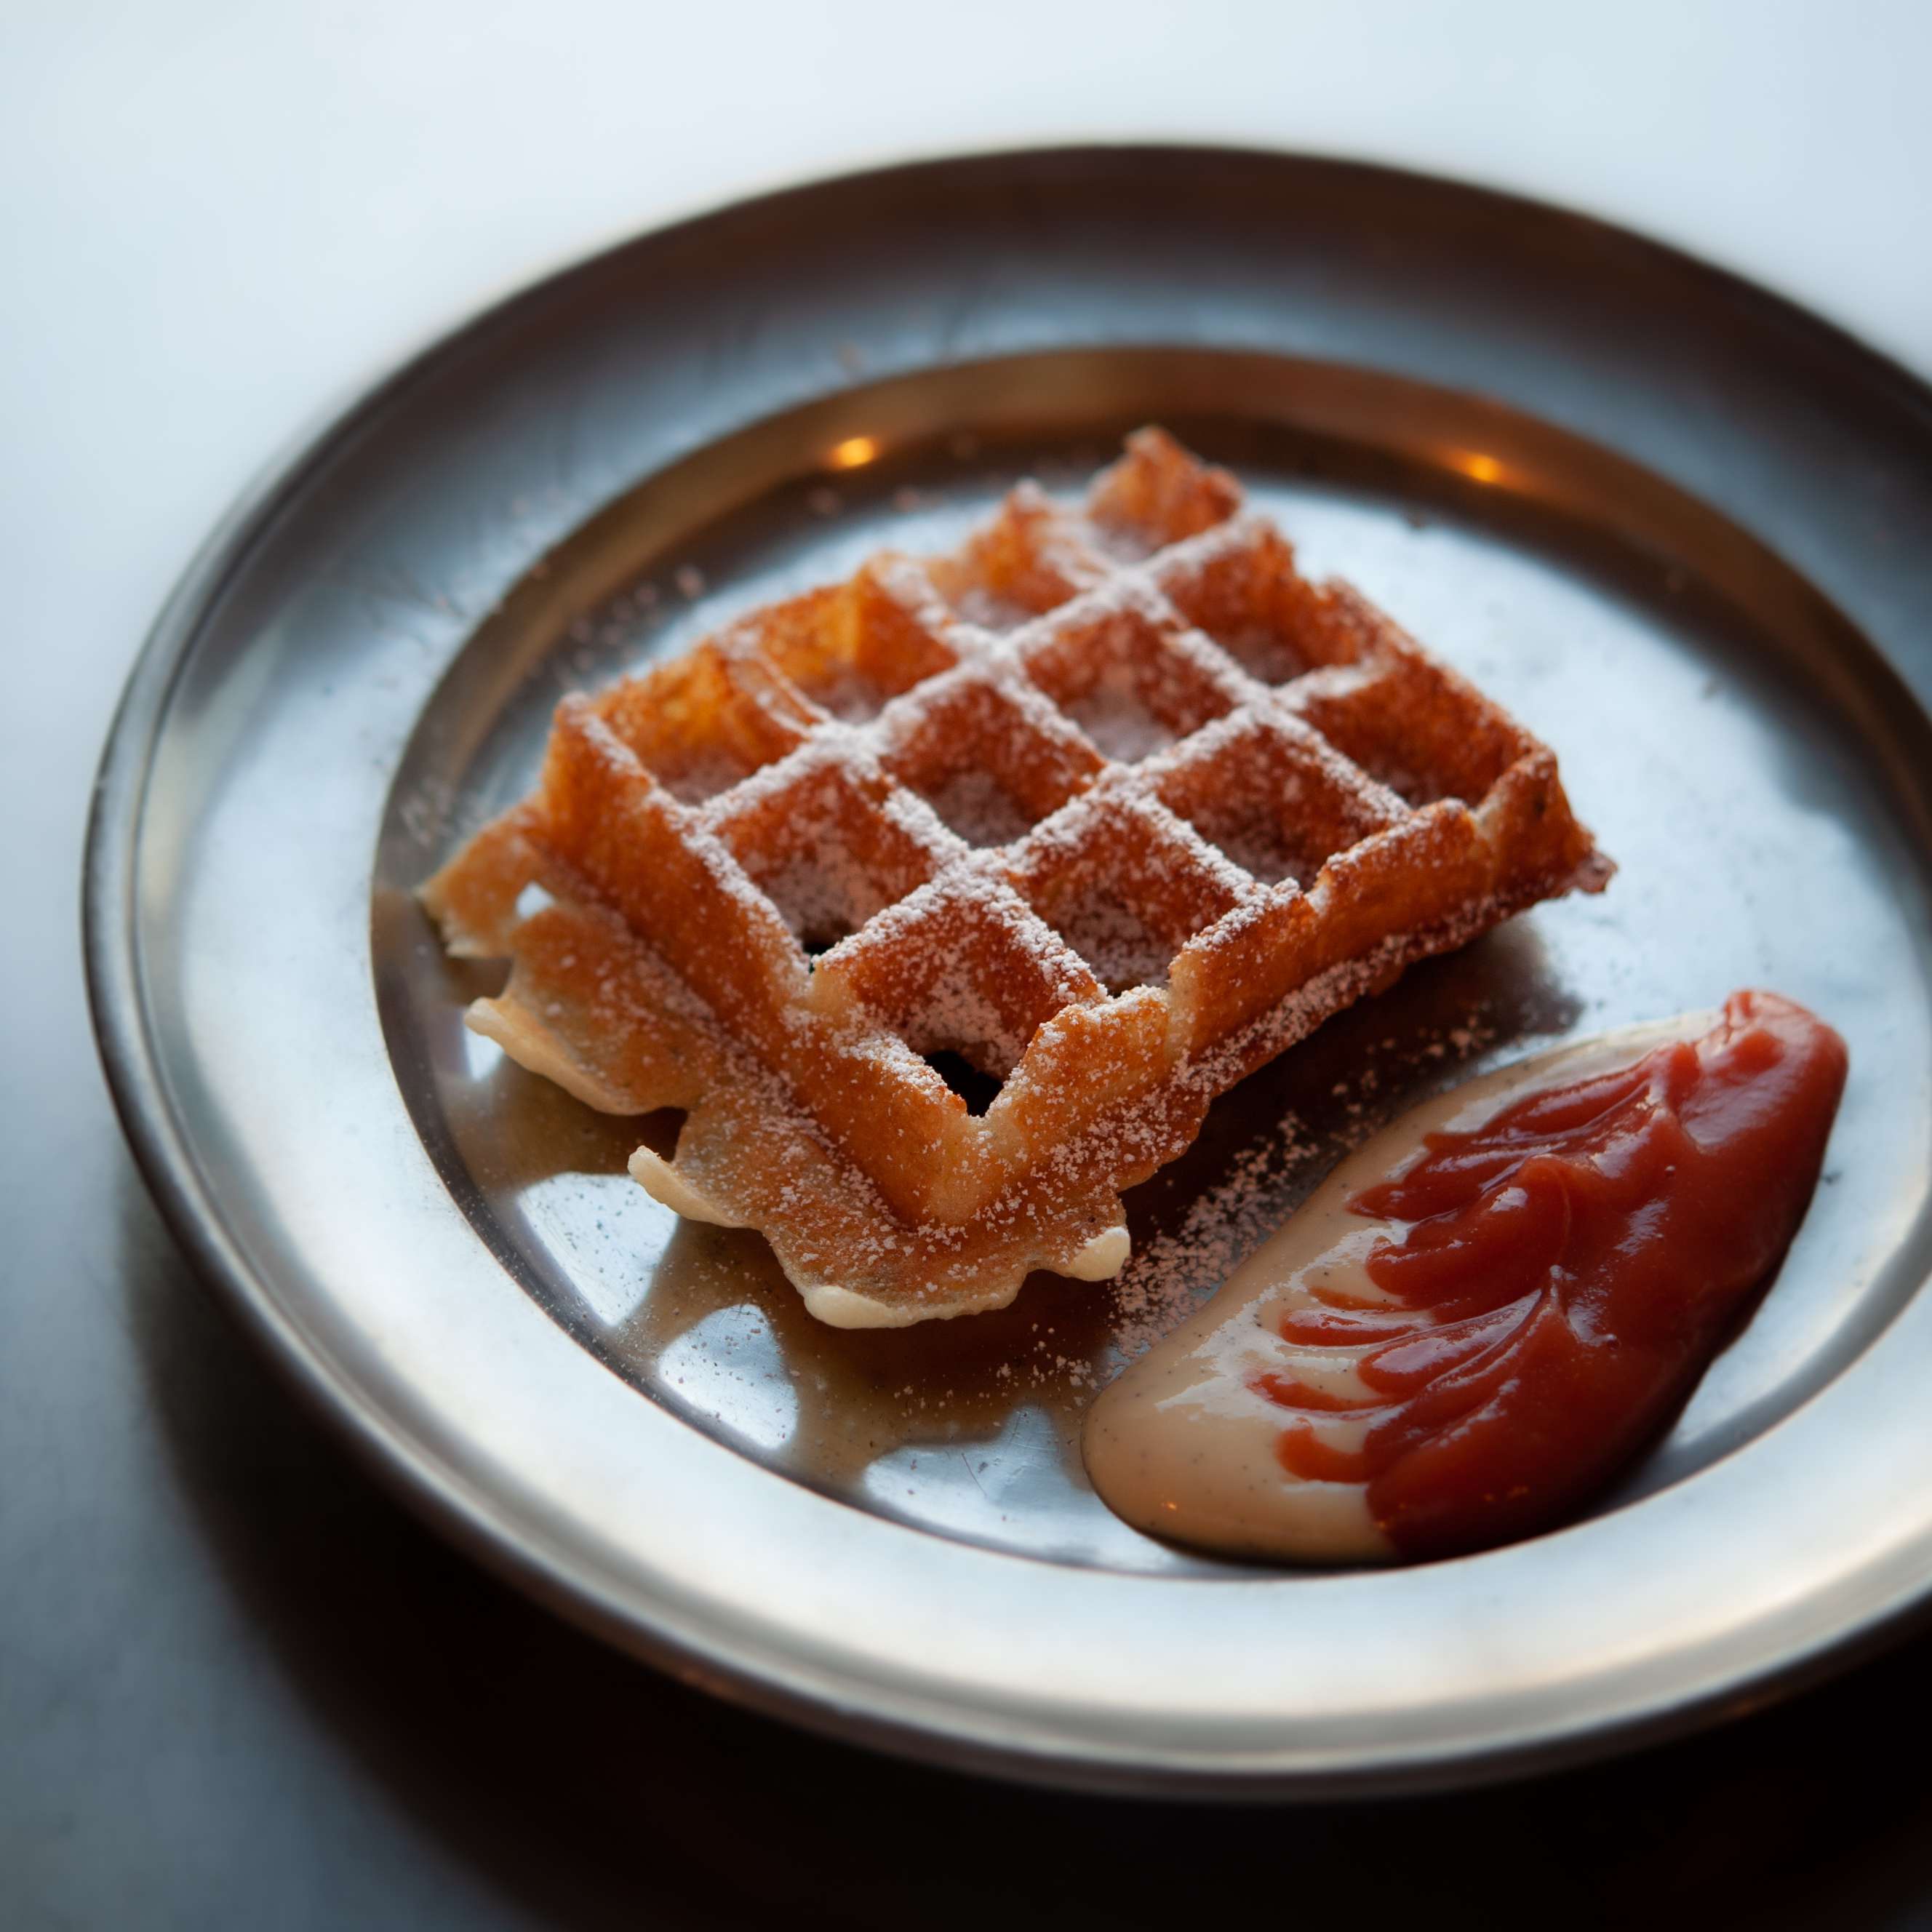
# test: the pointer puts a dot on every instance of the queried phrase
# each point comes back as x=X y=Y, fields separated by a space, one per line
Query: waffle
x=1102 y=812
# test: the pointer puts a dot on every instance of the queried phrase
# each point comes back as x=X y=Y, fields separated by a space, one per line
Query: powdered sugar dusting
x=1113 y=714
x=1171 y=1273
x=976 y=805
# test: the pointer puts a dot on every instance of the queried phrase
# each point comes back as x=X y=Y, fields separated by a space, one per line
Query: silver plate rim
x=518 y=1550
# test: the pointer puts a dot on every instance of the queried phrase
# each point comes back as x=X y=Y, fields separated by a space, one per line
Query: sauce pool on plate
x=1491 y=1309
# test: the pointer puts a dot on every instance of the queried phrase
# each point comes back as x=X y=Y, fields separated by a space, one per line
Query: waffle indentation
x=1127 y=885
x=821 y=837
x=1132 y=678
x=990 y=757
x=1273 y=798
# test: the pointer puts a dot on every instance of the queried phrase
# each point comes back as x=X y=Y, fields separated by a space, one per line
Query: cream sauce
x=1182 y=1446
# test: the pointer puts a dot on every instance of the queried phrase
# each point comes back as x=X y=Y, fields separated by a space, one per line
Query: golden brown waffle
x=1112 y=805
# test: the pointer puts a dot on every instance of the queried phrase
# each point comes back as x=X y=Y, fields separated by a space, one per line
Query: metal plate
x=1674 y=524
